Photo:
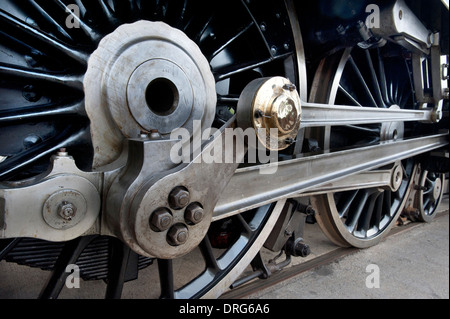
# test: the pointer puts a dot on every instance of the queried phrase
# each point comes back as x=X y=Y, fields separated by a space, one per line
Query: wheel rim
x=358 y=77
x=50 y=95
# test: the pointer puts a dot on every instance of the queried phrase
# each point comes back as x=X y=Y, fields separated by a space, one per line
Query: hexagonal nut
x=67 y=210
x=161 y=219
x=178 y=235
x=194 y=213
x=179 y=197
x=289 y=87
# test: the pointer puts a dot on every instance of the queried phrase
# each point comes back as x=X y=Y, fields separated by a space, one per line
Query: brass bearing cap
x=271 y=105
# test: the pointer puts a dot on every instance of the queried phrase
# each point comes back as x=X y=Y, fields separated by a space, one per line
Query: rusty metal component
x=297 y=248
x=410 y=213
x=178 y=235
x=179 y=197
x=194 y=213
x=289 y=230
x=161 y=219
x=271 y=105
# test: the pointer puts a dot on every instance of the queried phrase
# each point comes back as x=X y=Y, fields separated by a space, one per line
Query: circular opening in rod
x=162 y=96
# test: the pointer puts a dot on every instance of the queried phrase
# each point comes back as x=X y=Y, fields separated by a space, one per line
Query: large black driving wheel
x=44 y=57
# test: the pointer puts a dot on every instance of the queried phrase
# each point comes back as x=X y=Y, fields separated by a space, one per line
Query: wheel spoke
x=428 y=190
x=38 y=111
x=375 y=80
x=349 y=96
x=208 y=255
x=69 y=255
x=34 y=36
x=102 y=8
x=231 y=40
x=426 y=201
x=119 y=263
x=392 y=92
x=44 y=19
x=70 y=81
x=408 y=87
x=91 y=34
x=246 y=229
x=354 y=218
x=165 y=269
x=229 y=71
x=362 y=81
x=128 y=10
x=364 y=223
x=383 y=80
x=16 y=163
x=344 y=205
x=387 y=203
x=204 y=28
x=379 y=210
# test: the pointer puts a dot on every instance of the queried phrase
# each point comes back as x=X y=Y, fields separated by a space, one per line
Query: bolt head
x=30 y=94
x=154 y=134
x=178 y=235
x=67 y=210
x=194 y=213
x=179 y=197
x=143 y=134
x=161 y=219
x=289 y=87
x=62 y=152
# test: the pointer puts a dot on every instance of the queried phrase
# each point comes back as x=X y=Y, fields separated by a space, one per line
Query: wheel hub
x=271 y=104
x=392 y=130
x=145 y=76
x=437 y=189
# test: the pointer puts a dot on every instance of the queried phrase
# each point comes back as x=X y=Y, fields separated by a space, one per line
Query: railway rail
x=249 y=289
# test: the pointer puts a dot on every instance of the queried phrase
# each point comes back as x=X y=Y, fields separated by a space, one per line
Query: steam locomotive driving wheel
x=79 y=81
x=378 y=78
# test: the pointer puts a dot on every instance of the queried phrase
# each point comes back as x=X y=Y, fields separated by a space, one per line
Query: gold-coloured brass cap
x=271 y=103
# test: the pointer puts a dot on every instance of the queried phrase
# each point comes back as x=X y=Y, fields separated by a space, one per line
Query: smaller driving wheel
x=375 y=78
x=429 y=196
